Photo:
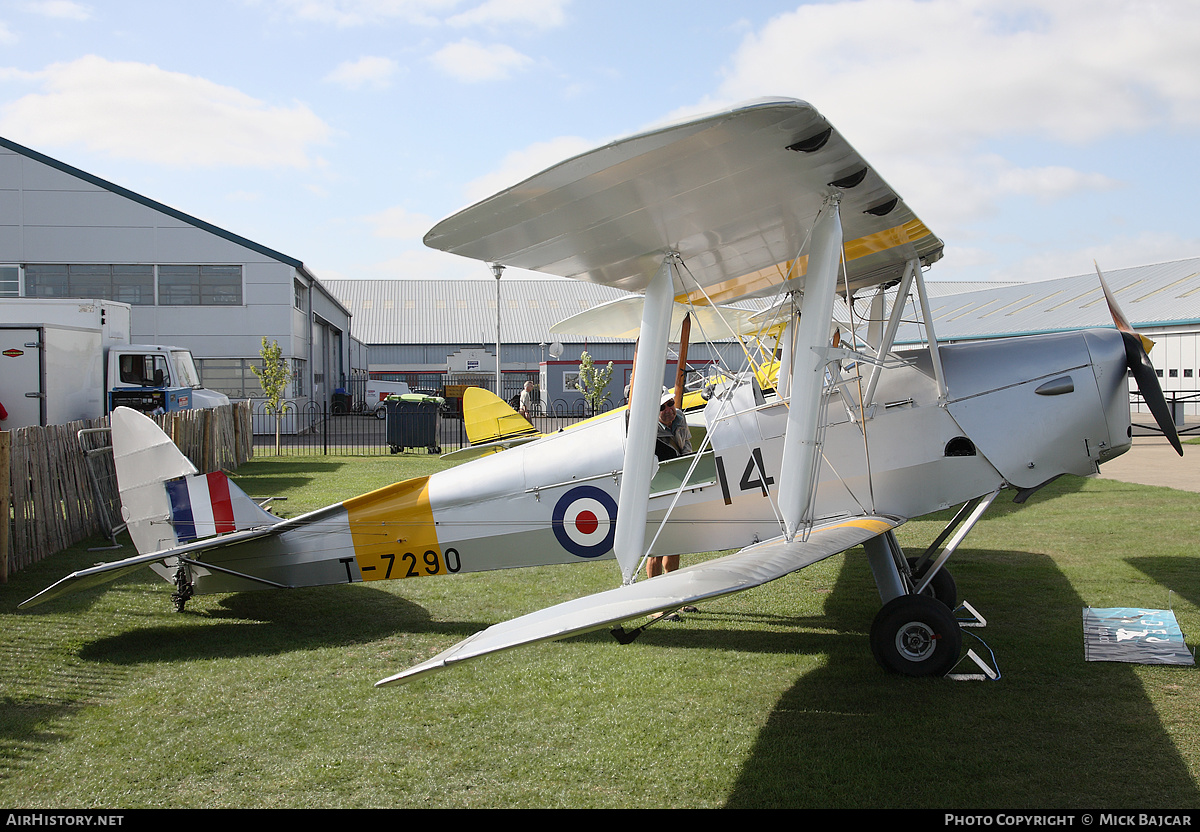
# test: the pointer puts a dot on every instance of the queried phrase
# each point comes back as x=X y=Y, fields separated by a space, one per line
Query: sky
x=1032 y=136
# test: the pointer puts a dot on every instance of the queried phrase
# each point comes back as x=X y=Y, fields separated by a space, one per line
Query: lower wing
x=748 y=568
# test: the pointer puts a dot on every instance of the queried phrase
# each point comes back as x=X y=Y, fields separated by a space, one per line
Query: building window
x=200 y=285
x=46 y=281
x=10 y=281
x=231 y=376
x=132 y=284
x=299 y=366
x=301 y=293
x=1187 y=373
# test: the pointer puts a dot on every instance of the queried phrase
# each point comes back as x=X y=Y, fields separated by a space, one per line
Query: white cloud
x=543 y=14
x=61 y=9
x=471 y=61
x=138 y=111
x=366 y=71
x=954 y=100
x=522 y=164
x=428 y=264
x=348 y=13
x=6 y=36
x=398 y=223
x=1118 y=253
x=1070 y=70
x=1051 y=182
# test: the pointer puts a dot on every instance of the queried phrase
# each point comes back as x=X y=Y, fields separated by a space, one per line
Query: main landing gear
x=916 y=633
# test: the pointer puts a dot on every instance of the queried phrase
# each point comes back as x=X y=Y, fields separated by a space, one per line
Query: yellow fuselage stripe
x=393 y=532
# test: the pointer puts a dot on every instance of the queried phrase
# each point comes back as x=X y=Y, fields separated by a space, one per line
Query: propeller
x=1137 y=348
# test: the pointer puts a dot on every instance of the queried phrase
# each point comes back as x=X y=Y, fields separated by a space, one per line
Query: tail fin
x=165 y=501
x=487 y=417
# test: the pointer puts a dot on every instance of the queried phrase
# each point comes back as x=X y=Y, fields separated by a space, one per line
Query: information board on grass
x=1135 y=635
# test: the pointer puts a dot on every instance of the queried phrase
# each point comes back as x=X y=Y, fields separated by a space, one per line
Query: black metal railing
x=316 y=428
x=1180 y=402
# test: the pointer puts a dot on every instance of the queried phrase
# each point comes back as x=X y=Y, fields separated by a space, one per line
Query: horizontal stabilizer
x=476 y=451
x=748 y=568
x=487 y=417
x=102 y=573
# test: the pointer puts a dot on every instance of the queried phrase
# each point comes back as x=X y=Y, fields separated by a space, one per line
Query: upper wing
x=734 y=193
x=751 y=567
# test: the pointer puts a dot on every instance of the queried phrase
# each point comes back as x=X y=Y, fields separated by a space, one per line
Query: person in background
x=526 y=406
x=674 y=440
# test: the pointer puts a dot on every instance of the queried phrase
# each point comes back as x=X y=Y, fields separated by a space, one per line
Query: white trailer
x=66 y=359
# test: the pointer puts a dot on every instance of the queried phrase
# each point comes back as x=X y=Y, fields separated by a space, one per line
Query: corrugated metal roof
x=464 y=311
x=1163 y=294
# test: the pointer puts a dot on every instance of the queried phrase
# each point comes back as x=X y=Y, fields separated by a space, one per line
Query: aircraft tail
x=165 y=500
x=487 y=417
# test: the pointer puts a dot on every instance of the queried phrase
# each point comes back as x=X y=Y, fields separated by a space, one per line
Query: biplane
x=837 y=439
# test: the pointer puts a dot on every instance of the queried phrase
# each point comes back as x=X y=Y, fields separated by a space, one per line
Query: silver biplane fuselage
x=1019 y=413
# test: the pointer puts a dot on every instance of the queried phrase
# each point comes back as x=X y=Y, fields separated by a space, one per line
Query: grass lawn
x=769 y=698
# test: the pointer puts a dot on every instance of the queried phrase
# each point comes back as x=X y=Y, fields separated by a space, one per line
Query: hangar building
x=67 y=233
x=422 y=330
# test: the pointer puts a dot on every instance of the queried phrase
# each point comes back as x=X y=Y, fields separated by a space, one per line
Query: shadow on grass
x=270 y=477
x=1053 y=732
x=1176 y=573
x=275 y=622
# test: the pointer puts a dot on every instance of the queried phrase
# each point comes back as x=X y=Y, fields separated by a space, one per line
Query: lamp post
x=498 y=270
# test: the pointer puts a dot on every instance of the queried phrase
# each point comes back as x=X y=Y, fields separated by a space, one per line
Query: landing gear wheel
x=942 y=587
x=916 y=635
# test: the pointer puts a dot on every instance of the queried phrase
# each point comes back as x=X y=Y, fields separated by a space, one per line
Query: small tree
x=592 y=381
x=273 y=377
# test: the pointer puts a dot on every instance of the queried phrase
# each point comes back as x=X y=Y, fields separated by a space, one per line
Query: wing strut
x=808 y=368
x=889 y=334
x=644 y=399
x=930 y=335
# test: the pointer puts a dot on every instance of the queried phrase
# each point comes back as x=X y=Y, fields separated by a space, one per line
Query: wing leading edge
x=748 y=568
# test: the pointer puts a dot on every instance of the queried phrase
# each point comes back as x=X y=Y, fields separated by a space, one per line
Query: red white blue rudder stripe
x=209 y=504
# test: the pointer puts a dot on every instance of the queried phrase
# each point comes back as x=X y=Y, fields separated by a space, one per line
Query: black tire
x=381 y=413
x=916 y=635
x=942 y=587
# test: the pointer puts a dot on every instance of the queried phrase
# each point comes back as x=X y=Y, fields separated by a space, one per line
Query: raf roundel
x=585 y=521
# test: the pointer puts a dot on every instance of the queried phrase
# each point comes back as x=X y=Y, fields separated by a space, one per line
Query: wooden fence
x=56 y=502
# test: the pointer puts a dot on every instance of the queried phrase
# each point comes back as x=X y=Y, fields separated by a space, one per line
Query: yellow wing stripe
x=871 y=524
x=738 y=287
